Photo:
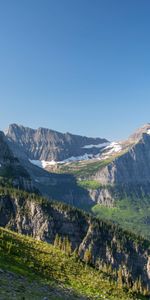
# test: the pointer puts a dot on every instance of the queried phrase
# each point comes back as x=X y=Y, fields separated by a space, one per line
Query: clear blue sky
x=81 y=66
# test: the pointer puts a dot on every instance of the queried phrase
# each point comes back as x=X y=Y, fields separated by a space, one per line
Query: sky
x=79 y=66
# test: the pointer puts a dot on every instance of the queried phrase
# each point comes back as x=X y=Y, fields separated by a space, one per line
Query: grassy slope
x=89 y=184
x=35 y=260
x=82 y=169
x=133 y=215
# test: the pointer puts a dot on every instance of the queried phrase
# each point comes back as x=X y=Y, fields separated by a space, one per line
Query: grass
x=89 y=184
x=131 y=214
x=83 y=169
x=40 y=261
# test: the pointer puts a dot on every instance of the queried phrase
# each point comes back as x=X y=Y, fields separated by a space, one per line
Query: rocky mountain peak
x=138 y=135
x=46 y=144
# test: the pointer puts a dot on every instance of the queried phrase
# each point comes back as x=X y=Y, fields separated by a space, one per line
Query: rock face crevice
x=108 y=244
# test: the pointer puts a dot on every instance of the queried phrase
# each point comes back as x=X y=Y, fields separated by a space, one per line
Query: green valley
x=130 y=214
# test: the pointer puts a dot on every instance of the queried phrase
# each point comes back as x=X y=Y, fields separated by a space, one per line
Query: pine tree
x=75 y=253
x=139 y=285
x=88 y=256
x=56 y=241
x=68 y=246
x=120 y=278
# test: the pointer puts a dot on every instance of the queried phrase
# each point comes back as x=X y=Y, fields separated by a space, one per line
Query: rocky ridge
x=49 y=145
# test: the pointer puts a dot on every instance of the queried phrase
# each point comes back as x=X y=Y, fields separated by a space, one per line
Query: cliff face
x=107 y=244
x=104 y=196
x=46 y=144
x=131 y=167
x=42 y=221
x=11 y=169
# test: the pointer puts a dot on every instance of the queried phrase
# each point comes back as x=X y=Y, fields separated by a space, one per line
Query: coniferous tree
x=88 y=256
x=56 y=241
x=120 y=278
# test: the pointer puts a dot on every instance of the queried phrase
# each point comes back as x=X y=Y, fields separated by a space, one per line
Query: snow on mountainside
x=131 y=165
x=108 y=150
x=48 y=149
x=44 y=164
x=102 y=145
x=48 y=145
x=122 y=164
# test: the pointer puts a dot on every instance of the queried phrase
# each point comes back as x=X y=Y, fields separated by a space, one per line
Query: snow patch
x=42 y=163
x=148 y=131
x=113 y=148
x=77 y=158
x=96 y=146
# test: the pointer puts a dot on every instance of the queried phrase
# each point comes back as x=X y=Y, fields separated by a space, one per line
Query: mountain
x=112 y=180
x=113 y=184
x=121 y=169
x=47 y=145
x=132 y=165
x=104 y=246
x=34 y=147
x=127 y=172
x=122 y=181
x=11 y=170
x=126 y=162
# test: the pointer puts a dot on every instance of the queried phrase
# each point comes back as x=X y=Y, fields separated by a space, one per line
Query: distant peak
x=138 y=134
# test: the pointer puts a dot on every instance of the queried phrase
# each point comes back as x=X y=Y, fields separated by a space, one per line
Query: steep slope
x=63 y=275
x=11 y=170
x=48 y=145
x=131 y=166
x=104 y=243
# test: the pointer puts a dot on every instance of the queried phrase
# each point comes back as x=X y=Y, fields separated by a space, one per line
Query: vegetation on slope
x=101 y=237
x=35 y=260
x=81 y=169
x=131 y=214
x=89 y=184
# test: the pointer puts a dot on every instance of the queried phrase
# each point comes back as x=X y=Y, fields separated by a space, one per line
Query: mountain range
x=118 y=168
x=106 y=180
